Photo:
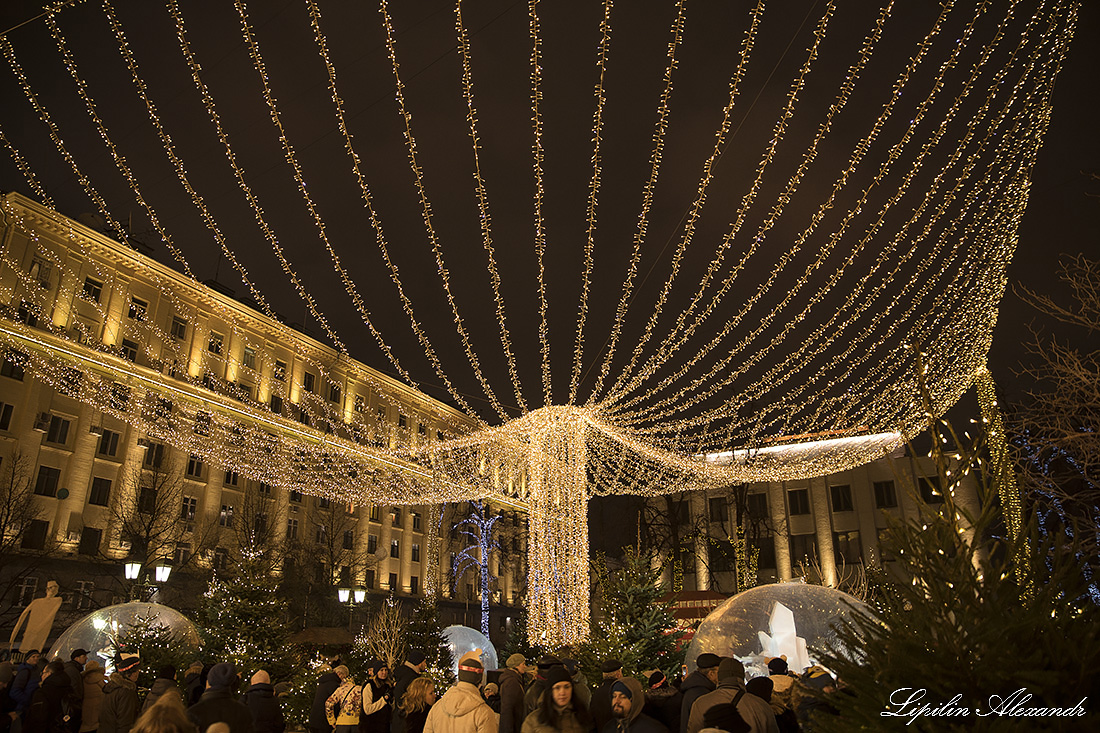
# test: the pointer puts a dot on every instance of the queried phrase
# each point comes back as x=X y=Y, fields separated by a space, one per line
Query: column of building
x=78 y=476
x=698 y=508
x=823 y=529
x=777 y=505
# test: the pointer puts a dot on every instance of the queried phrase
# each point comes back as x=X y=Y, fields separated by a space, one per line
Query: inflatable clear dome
x=463 y=639
x=781 y=619
x=96 y=631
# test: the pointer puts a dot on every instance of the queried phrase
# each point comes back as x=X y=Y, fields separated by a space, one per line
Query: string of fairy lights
x=708 y=377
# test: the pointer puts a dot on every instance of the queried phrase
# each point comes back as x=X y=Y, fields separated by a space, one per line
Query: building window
x=179 y=328
x=139 y=308
x=292 y=529
x=372 y=543
x=83 y=590
x=90 y=537
x=842 y=498
x=264 y=489
x=129 y=349
x=717 y=508
x=321 y=537
x=421 y=429
x=799 y=501
x=232 y=478
x=225 y=518
x=182 y=554
x=309 y=381
x=296 y=497
x=194 y=466
x=334 y=393
x=5 y=415
x=416 y=521
x=885 y=496
x=758 y=506
x=414 y=585
x=25 y=315
x=358 y=403
x=323 y=503
x=416 y=552
x=119 y=397
x=13 y=365
x=108 y=443
x=276 y=404
x=395 y=548
x=34 y=536
x=249 y=357
x=393 y=581
x=147 y=500
x=28 y=588
x=101 y=491
x=279 y=372
x=189 y=508
x=765 y=548
x=216 y=344
x=154 y=455
x=847 y=548
x=803 y=548
x=395 y=516
x=402 y=421
x=369 y=580
x=349 y=540
x=59 y=430
x=48 y=478
x=221 y=558
x=376 y=513
x=93 y=289
x=930 y=489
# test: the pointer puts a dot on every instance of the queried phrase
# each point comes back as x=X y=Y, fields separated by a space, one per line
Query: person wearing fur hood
x=627 y=702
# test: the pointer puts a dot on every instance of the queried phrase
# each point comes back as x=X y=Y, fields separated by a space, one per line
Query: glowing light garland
x=645 y=433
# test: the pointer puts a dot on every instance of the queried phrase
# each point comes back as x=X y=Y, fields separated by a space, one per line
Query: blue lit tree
x=477 y=527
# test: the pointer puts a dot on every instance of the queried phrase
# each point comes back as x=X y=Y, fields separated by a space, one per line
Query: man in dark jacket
x=27 y=677
x=194 y=682
x=731 y=689
x=703 y=680
x=119 y=708
x=512 y=708
x=662 y=701
x=219 y=704
x=51 y=707
x=326 y=685
x=74 y=668
x=627 y=700
x=612 y=670
x=165 y=682
x=262 y=705
x=414 y=665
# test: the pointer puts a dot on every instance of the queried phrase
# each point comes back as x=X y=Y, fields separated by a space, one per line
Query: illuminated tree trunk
x=558 y=543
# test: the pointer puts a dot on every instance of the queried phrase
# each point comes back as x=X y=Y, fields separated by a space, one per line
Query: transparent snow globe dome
x=463 y=639
x=750 y=627
x=97 y=631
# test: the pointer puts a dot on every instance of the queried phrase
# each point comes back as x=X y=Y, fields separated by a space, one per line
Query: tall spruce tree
x=425 y=633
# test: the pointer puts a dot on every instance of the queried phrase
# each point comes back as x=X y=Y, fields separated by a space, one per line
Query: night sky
x=1060 y=217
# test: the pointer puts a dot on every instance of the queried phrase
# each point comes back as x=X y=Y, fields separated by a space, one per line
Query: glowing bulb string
x=593 y=197
x=537 y=160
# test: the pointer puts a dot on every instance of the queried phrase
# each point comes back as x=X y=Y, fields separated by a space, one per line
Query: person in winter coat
x=601 y=701
x=219 y=703
x=119 y=708
x=165 y=682
x=51 y=709
x=512 y=707
x=260 y=700
x=731 y=689
x=491 y=693
x=414 y=666
x=703 y=680
x=416 y=703
x=461 y=709
x=27 y=677
x=326 y=685
x=627 y=703
x=378 y=699
x=74 y=668
x=343 y=706
x=560 y=710
x=8 y=716
x=662 y=700
x=782 y=692
x=194 y=682
x=92 y=680
x=166 y=715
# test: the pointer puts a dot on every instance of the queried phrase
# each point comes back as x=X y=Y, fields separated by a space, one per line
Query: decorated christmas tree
x=156 y=645
x=518 y=643
x=242 y=620
x=425 y=633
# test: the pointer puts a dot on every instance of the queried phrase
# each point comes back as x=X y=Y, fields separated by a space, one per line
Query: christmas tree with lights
x=425 y=633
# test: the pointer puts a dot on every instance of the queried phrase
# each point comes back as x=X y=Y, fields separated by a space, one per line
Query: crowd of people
x=551 y=696
x=554 y=696
x=78 y=697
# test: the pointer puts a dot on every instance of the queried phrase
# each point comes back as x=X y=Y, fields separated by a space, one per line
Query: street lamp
x=147 y=586
x=351 y=597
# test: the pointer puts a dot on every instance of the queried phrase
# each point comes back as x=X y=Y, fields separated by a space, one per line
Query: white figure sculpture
x=39 y=615
x=784 y=639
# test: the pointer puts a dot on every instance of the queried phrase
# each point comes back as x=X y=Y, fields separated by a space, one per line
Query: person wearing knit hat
x=414 y=666
x=377 y=693
x=119 y=708
x=534 y=692
x=219 y=702
x=560 y=709
x=513 y=709
x=753 y=710
x=627 y=703
x=612 y=670
x=662 y=700
x=700 y=682
x=462 y=709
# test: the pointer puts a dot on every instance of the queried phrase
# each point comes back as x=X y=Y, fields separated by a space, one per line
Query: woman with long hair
x=559 y=710
x=416 y=702
x=377 y=699
x=166 y=715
